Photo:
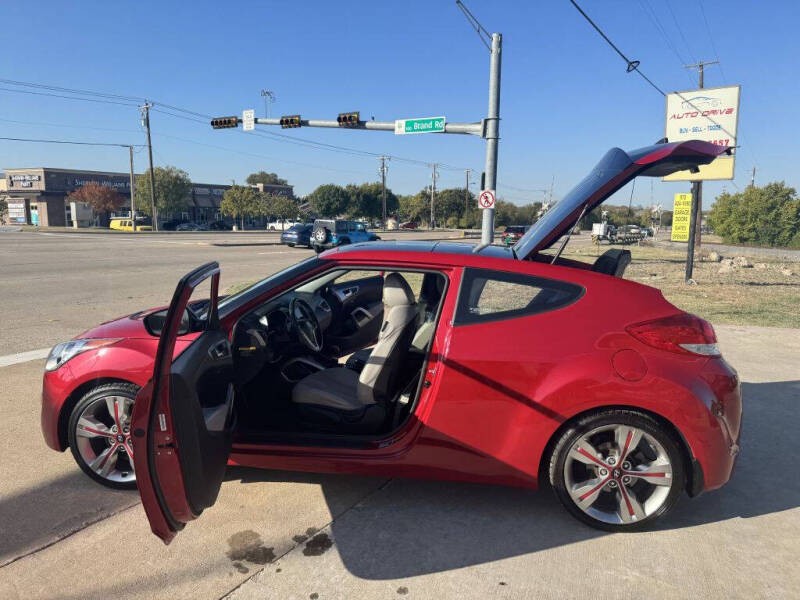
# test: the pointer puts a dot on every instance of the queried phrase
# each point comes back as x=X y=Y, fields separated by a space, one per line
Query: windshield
x=257 y=288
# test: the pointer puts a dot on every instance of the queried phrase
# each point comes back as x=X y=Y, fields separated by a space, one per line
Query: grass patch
x=746 y=296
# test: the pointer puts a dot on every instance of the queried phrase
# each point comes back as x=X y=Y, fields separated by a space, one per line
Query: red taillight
x=683 y=333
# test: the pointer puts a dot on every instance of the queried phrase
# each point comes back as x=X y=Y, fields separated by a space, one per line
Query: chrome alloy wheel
x=103 y=438
x=618 y=474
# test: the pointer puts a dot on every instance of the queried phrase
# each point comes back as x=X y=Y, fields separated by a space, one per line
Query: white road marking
x=21 y=357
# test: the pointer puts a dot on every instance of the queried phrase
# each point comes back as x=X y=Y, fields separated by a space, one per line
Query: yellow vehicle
x=127 y=225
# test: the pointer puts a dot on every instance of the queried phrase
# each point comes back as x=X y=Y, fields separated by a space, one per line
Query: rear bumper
x=716 y=451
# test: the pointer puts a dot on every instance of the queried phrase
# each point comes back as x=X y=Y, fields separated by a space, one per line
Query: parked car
x=169 y=225
x=298 y=235
x=513 y=233
x=281 y=224
x=127 y=225
x=191 y=227
x=614 y=397
x=409 y=225
x=218 y=226
x=329 y=233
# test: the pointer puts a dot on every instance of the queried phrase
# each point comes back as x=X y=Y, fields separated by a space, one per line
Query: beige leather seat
x=341 y=396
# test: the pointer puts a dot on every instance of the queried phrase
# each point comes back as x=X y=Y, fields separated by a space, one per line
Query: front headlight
x=65 y=351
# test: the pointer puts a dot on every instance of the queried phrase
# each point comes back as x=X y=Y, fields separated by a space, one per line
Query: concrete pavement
x=284 y=535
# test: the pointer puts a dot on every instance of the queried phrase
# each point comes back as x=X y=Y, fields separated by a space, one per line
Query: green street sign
x=423 y=125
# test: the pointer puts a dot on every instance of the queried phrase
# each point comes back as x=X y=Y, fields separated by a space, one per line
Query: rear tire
x=92 y=432
x=610 y=489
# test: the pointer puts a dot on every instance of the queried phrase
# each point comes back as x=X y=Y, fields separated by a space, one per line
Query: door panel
x=359 y=313
x=183 y=419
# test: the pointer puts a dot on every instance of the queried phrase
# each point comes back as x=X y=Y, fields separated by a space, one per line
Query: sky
x=566 y=97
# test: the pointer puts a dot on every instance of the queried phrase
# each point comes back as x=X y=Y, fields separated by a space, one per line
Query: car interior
x=341 y=354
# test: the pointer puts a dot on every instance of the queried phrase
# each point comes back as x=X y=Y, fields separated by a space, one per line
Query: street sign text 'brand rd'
x=423 y=125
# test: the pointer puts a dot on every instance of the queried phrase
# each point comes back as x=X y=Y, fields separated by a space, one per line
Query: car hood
x=129 y=326
x=613 y=171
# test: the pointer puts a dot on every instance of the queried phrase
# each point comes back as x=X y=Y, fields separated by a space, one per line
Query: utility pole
x=133 y=190
x=753 y=177
x=146 y=122
x=466 y=197
x=434 y=176
x=383 y=169
x=696 y=216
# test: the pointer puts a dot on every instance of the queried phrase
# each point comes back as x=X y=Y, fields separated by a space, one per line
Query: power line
x=70 y=142
x=648 y=10
x=711 y=39
x=198 y=117
x=98 y=100
x=680 y=31
x=633 y=65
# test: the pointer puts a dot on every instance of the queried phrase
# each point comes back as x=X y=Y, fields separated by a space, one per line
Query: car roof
x=450 y=253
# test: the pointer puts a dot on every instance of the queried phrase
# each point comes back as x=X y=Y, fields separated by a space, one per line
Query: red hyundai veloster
x=383 y=359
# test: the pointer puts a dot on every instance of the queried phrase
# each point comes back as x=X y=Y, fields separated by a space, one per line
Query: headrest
x=396 y=291
x=432 y=288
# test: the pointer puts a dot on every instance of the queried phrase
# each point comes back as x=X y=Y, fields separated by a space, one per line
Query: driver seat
x=349 y=401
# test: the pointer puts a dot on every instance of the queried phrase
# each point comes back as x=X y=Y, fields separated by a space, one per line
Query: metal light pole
x=269 y=98
x=492 y=133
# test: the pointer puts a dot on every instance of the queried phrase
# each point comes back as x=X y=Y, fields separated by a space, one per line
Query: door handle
x=220 y=350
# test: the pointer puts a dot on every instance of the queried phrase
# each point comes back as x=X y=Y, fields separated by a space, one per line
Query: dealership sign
x=681 y=214
x=710 y=115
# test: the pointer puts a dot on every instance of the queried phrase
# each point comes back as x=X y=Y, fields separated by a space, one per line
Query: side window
x=495 y=295
x=341 y=226
x=360 y=227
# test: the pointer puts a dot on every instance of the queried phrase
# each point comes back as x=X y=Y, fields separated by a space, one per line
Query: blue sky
x=565 y=98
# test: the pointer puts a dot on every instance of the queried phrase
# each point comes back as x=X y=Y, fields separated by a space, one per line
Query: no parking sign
x=486 y=199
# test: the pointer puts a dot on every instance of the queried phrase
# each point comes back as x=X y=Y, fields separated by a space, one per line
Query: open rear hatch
x=613 y=171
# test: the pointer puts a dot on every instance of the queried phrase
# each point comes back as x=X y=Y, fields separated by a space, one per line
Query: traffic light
x=289 y=121
x=225 y=122
x=350 y=119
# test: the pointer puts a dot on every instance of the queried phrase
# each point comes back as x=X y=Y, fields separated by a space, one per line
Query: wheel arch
x=76 y=394
x=694 y=473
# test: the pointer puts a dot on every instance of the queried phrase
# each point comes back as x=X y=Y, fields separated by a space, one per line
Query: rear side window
x=496 y=295
x=341 y=226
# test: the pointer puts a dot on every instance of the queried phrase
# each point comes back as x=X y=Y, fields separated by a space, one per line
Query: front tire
x=99 y=435
x=617 y=470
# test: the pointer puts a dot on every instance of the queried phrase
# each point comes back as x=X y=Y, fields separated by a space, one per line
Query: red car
x=615 y=397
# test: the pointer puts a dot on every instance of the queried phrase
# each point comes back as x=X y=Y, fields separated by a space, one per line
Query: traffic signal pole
x=488 y=128
x=492 y=134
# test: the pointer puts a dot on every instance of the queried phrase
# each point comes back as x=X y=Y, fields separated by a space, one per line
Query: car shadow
x=37 y=517
x=407 y=528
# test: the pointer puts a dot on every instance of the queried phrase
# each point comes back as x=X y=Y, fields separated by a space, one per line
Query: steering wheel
x=306 y=323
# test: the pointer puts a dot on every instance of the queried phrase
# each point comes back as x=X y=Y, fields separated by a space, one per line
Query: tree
x=265 y=178
x=172 y=191
x=240 y=202
x=329 y=200
x=3 y=207
x=280 y=207
x=767 y=215
x=366 y=200
x=101 y=198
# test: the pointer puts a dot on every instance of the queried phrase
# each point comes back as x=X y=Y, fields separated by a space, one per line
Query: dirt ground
x=766 y=293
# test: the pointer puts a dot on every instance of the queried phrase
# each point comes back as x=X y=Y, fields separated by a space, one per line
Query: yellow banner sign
x=681 y=214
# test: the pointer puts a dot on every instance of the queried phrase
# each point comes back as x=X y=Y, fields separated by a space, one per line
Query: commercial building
x=38 y=196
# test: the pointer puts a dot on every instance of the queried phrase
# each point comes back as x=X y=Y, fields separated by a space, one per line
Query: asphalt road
x=284 y=535
x=53 y=286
